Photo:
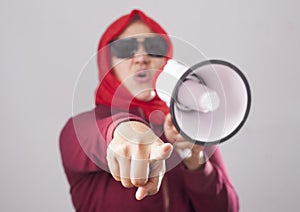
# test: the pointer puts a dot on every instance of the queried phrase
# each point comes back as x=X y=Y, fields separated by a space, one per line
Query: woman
x=115 y=155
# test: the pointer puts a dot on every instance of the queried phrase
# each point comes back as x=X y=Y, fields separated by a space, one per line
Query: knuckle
x=139 y=182
x=126 y=183
x=116 y=177
x=122 y=150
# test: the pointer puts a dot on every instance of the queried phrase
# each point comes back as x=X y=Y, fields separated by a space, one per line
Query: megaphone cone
x=209 y=102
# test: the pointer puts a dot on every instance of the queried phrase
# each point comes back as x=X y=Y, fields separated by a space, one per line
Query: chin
x=145 y=96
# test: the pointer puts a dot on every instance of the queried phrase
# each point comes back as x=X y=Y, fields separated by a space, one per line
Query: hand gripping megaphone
x=209 y=102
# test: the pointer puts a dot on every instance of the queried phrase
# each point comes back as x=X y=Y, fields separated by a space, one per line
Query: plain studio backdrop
x=46 y=44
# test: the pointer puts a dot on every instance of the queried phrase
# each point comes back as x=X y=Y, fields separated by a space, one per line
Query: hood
x=110 y=91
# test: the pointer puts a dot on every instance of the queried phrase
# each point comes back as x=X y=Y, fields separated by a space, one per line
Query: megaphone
x=209 y=102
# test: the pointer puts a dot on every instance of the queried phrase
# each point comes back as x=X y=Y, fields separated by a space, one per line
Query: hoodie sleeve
x=210 y=188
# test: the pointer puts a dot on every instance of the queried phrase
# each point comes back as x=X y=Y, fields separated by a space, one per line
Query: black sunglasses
x=127 y=47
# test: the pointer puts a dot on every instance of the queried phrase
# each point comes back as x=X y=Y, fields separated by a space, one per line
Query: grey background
x=45 y=45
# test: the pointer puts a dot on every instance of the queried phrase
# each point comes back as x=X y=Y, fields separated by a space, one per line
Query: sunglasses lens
x=156 y=46
x=124 y=48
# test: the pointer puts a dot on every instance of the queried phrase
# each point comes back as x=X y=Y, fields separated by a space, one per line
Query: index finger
x=161 y=151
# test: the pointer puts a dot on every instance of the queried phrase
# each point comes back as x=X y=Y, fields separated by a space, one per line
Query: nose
x=141 y=55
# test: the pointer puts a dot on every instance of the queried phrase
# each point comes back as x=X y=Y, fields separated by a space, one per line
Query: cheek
x=159 y=62
x=120 y=68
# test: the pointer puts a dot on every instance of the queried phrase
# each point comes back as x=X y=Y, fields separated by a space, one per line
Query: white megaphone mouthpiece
x=206 y=100
x=209 y=102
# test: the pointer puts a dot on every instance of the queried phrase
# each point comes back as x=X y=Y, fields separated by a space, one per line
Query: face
x=136 y=71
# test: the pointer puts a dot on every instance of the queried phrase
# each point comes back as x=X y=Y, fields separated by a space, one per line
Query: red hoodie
x=84 y=140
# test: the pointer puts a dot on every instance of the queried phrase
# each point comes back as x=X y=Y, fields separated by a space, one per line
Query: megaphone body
x=209 y=102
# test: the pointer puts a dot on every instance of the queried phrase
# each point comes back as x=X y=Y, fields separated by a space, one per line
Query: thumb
x=141 y=193
x=150 y=188
x=161 y=152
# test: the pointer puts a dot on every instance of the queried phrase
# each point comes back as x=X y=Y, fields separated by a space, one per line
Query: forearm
x=81 y=151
